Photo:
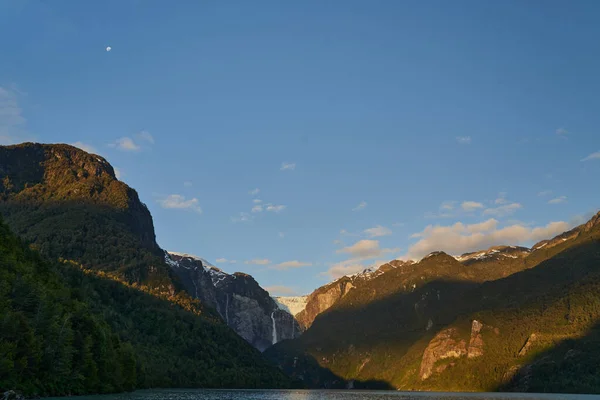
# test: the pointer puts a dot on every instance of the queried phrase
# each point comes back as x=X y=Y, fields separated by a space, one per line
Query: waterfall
x=227 y=309
x=274 y=328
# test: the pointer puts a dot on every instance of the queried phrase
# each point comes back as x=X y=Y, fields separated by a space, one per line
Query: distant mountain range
x=505 y=318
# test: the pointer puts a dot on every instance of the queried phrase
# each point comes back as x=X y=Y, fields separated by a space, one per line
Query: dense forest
x=64 y=331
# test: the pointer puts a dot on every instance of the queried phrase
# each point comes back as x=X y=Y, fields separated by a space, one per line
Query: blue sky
x=372 y=130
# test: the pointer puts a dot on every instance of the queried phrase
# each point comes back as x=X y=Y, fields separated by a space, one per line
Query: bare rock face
x=446 y=344
x=238 y=298
x=476 y=341
x=530 y=341
x=323 y=298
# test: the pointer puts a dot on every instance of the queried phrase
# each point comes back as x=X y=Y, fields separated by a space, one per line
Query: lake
x=185 y=394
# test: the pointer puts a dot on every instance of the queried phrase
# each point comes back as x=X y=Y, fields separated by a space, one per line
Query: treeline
x=65 y=332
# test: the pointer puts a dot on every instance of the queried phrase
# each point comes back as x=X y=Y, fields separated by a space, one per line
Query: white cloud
x=275 y=207
x=545 y=193
x=254 y=192
x=257 y=201
x=461 y=238
x=85 y=147
x=445 y=210
x=281 y=234
x=118 y=173
x=177 y=201
x=279 y=290
x=502 y=211
x=257 y=208
x=225 y=261
x=258 y=261
x=464 y=139
x=288 y=166
x=377 y=231
x=145 y=135
x=12 y=121
x=447 y=205
x=562 y=131
x=108 y=48
x=350 y=267
x=558 y=200
x=243 y=217
x=501 y=199
x=365 y=249
x=471 y=205
x=187 y=184
x=361 y=206
x=291 y=264
x=593 y=156
x=125 y=144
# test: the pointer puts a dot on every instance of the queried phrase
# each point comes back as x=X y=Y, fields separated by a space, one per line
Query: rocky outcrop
x=323 y=298
x=446 y=344
x=476 y=341
x=12 y=395
x=238 y=298
x=293 y=305
x=528 y=343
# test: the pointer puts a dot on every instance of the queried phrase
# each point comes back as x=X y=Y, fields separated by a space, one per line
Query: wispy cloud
x=118 y=173
x=471 y=205
x=398 y=224
x=279 y=290
x=501 y=199
x=257 y=201
x=125 y=144
x=85 y=147
x=288 y=166
x=243 y=217
x=377 y=231
x=281 y=235
x=461 y=238
x=503 y=210
x=558 y=200
x=254 y=192
x=12 y=121
x=146 y=136
x=593 y=156
x=275 y=207
x=225 y=261
x=177 y=201
x=544 y=193
x=361 y=206
x=187 y=184
x=366 y=249
x=257 y=208
x=258 y=261
x=464 y=139
x=562 y=132
x=291 y=264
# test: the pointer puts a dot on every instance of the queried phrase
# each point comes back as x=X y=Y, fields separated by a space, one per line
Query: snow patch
x=293 y=304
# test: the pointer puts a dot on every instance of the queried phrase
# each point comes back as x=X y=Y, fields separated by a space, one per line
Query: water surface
x=185 y=394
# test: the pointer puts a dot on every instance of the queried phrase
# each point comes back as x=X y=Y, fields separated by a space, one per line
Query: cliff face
x=238 y=298
x=69 y=204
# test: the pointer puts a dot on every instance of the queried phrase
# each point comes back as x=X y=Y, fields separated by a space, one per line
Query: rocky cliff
x=70 y=204
x=238 y=298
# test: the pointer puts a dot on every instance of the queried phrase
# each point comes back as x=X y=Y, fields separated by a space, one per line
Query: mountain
x=108 y=314
x=66 y=330
x=69 y=204
x=240 y=301
x=501 y=319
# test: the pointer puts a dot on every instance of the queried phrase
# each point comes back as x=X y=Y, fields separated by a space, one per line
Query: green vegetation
x=64 y=331
x=379 y=330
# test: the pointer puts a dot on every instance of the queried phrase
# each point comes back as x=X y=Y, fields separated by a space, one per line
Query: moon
x=108 y=48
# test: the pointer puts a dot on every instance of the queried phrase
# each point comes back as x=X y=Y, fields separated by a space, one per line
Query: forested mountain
x=525 y=321
x=99 y=310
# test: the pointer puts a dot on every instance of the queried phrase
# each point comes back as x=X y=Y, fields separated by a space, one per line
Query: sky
x=301 y=141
